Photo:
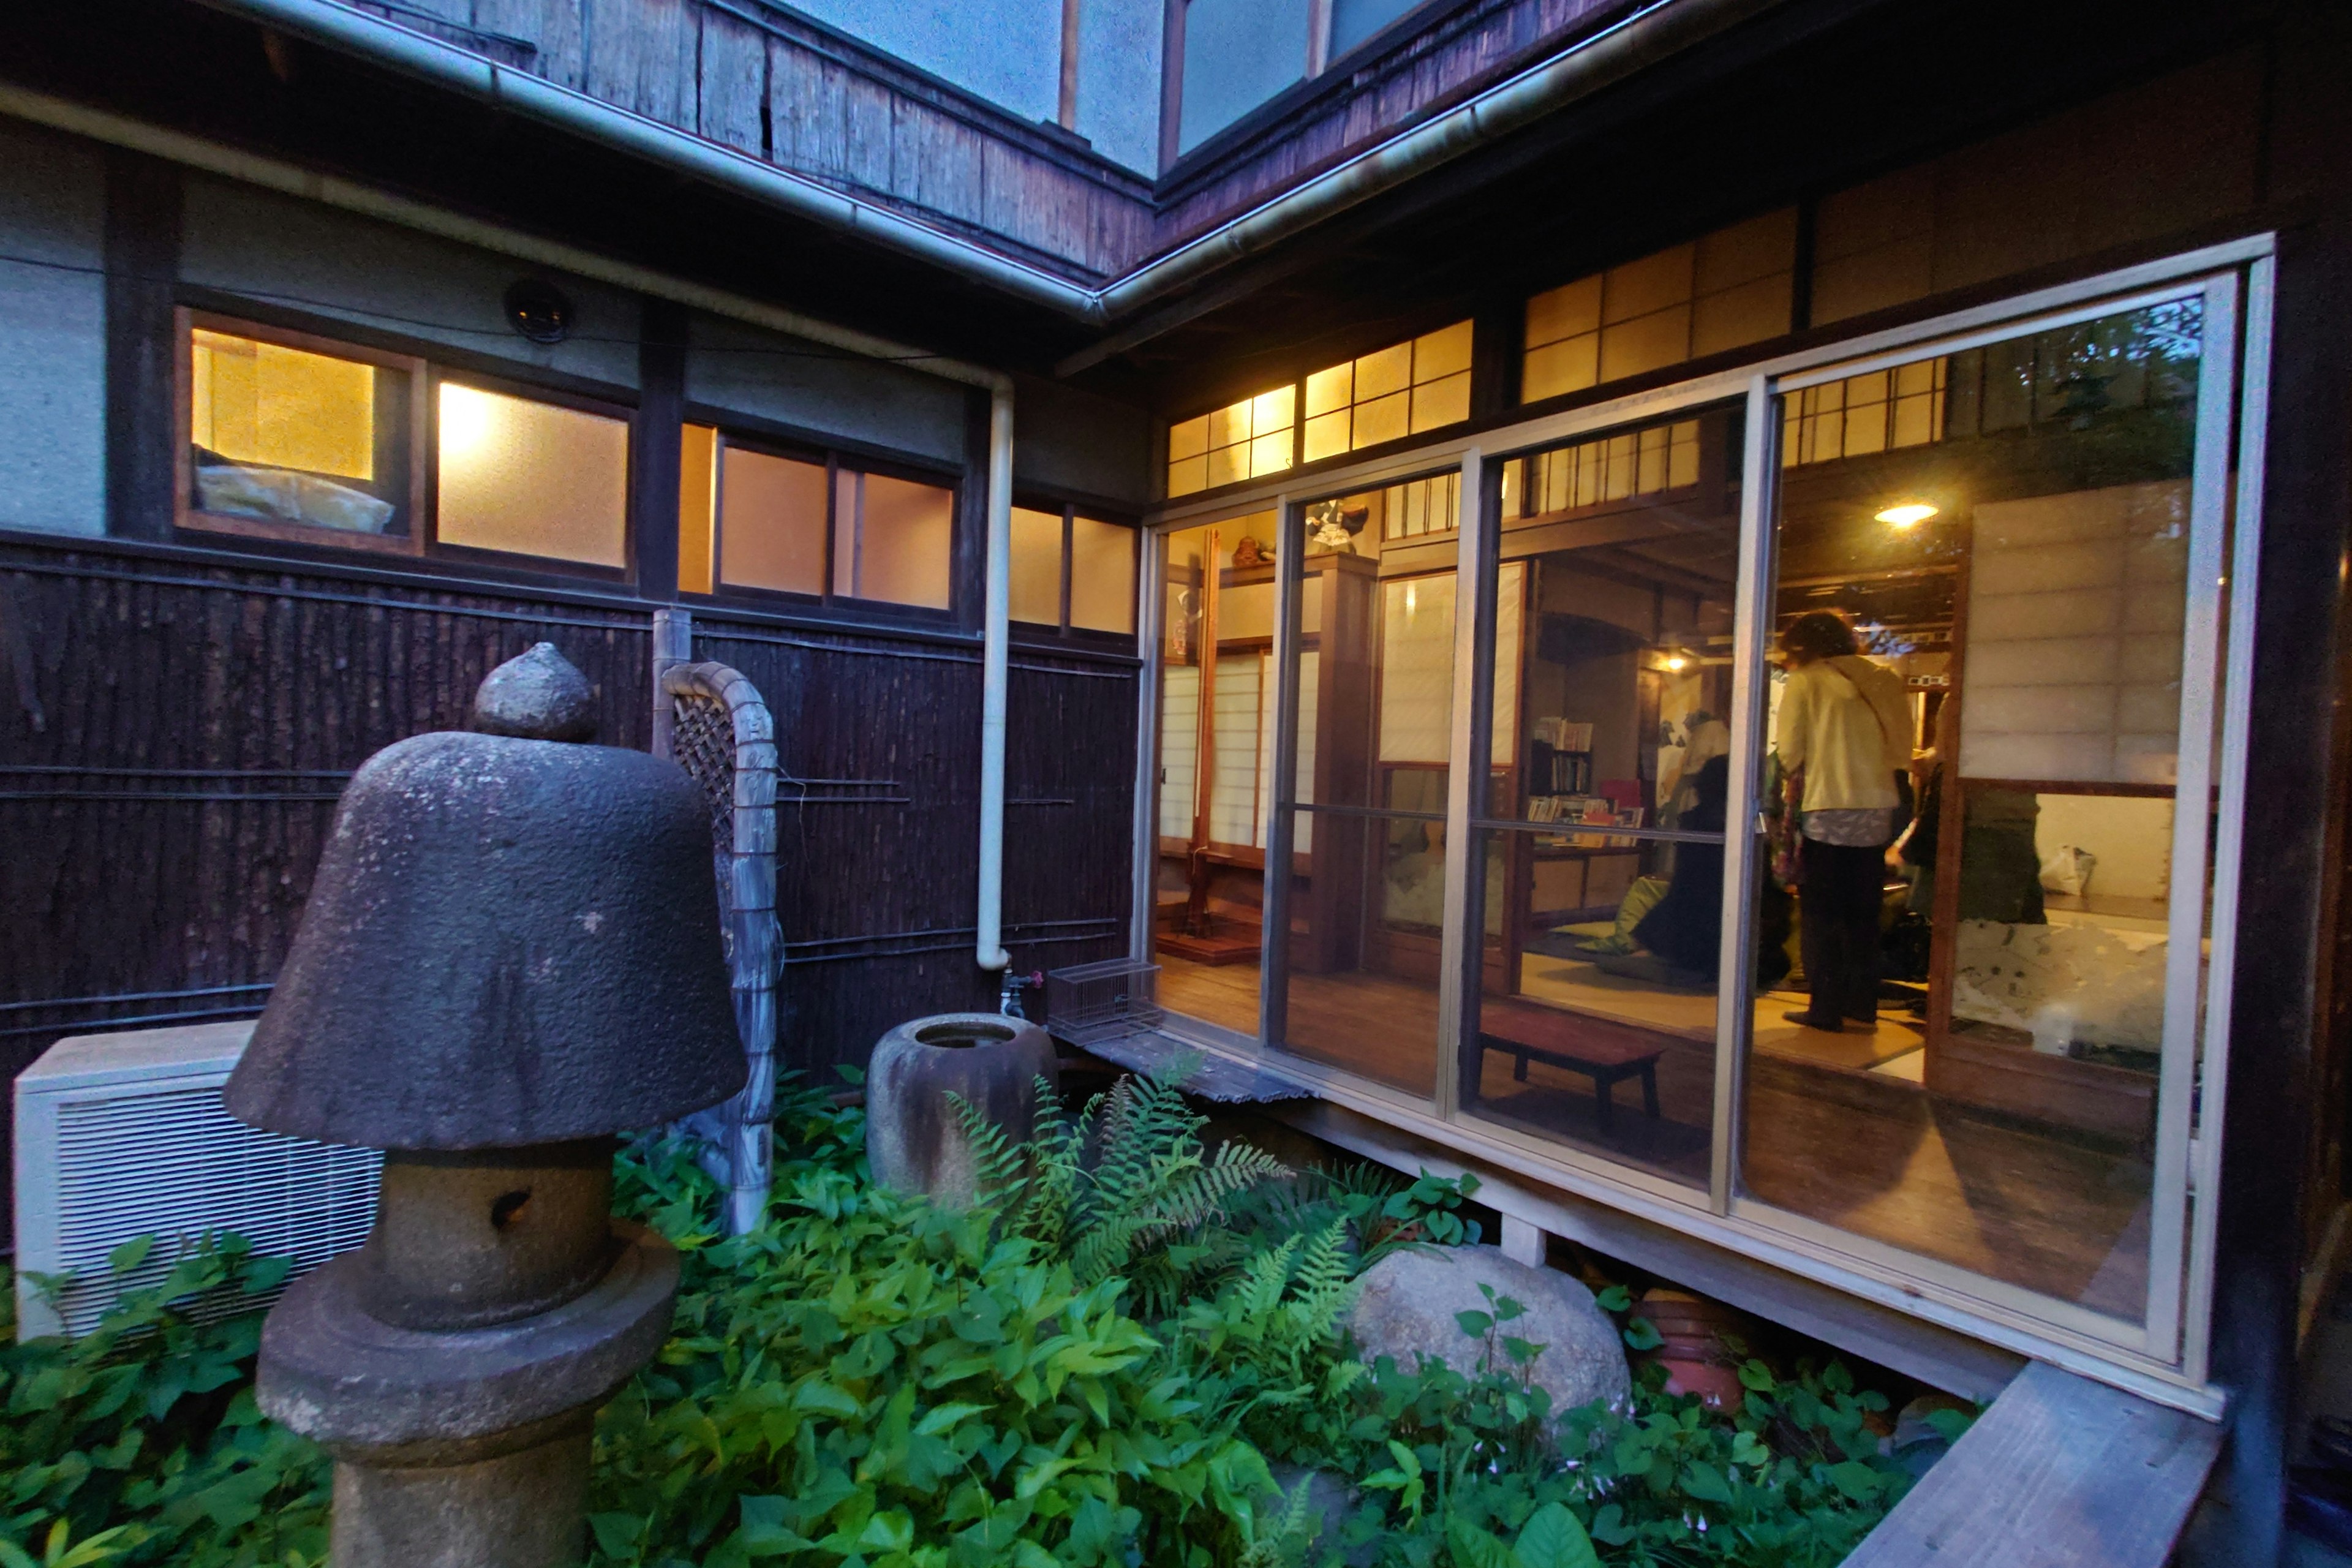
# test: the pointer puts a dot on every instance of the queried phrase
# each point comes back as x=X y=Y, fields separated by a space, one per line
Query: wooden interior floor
x=1839 y=1128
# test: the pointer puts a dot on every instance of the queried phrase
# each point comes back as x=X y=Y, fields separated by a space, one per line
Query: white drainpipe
x=996 y=629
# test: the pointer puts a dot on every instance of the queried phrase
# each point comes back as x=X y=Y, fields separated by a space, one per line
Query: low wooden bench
x=1526 y=1032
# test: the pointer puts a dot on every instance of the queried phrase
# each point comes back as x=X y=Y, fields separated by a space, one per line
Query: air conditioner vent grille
x=170 y=1162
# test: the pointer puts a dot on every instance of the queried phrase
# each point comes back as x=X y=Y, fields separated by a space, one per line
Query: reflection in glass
x=1612 y=663
x=2006 y=530
x=1367 y=898
x=1216 y=712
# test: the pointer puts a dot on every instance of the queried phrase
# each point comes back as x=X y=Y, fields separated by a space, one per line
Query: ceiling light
x=1907 y=514
x=1675 y=662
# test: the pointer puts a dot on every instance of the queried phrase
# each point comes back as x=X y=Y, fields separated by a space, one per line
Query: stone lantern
x=510 y=954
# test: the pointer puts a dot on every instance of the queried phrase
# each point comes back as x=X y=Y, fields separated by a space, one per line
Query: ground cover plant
x=1131 y=1352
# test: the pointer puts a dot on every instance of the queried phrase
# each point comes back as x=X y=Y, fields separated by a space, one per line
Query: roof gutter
x=1640 y=40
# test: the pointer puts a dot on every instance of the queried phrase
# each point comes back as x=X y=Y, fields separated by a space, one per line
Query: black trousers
x=1838 y=900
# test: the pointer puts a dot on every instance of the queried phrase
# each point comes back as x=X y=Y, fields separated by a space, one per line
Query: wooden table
x=1527 y=1032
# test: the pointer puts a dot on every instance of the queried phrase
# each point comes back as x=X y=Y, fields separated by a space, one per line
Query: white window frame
x=2165 y=1358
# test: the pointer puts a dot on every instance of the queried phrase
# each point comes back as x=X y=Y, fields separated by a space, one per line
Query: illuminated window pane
x=1251 y=437
x=1102 y=576
x=1326 y=434
x=1270 y=454
x=1378 y=374
x=288 y=436
x=1444 y=353
x=1383 y=420
x=771 y=526
x=1645 y=343
x=532 y=478
x=1643 y=287
x=1036 y=582
x=891 y=539
x=1564 y=312
x=1330 y=389
x=1446 y=402
x=1189 y=439
x=698 y=513
x=1562 y=367
x=262 y=403
x=1227 y=425
x=1272 y=410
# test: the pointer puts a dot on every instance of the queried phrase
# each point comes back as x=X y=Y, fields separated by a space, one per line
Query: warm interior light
x=1907 y=514
x=467 y=417
x=1675 y=662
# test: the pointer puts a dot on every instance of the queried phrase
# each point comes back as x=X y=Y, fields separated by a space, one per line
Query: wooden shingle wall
x=778 y=87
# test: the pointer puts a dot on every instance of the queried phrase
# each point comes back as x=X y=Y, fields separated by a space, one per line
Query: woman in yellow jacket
x=1845 y=723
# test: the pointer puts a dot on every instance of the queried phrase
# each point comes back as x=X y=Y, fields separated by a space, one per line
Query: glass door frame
x=2165 y=1358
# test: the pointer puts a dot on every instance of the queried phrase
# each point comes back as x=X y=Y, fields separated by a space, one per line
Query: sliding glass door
x=1372 y=612
x=1848 y=862
x=1601 y=839
x=1981 y=1050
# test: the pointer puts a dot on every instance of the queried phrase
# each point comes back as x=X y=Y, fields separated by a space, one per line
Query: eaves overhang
x=1586 y=65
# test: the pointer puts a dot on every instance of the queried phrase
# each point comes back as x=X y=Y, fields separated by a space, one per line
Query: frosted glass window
x=1244 y=440
x=1036 y=579
x=1402 y=390
x=1732 y=288
x=891 y=540
x=532 y=478
x=771 y=522
x=1102 y=576
x=263 y=402
x=697 y=506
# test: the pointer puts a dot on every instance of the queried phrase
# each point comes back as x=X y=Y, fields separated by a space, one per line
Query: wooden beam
x=143 y=268
x=2062 y=1472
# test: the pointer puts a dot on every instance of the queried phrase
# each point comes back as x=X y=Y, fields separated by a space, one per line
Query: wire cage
x=1106 y=1001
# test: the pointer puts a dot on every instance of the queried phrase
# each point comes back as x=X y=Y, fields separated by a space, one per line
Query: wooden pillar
x=143 y=266
x=654 y=466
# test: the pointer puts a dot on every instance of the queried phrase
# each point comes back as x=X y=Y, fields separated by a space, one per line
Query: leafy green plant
x=141 y=1442
x=1124 y=1187
x=870 y=1381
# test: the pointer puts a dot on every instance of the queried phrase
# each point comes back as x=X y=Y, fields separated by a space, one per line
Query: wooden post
x=1069 y=97
x=1204 y=751
x=672 y=645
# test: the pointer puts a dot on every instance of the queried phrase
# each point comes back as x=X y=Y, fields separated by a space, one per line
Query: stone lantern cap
x=510 y=941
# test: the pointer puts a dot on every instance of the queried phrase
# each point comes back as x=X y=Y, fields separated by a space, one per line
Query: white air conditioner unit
x=122 y=1135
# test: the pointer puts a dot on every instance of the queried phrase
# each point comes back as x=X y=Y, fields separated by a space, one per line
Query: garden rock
x=1409 y=1299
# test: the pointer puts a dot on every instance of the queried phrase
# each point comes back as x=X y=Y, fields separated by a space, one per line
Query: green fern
x=1122 y=1188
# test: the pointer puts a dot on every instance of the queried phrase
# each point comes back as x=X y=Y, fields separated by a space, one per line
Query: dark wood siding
x=777 y=86
x=174 y=730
